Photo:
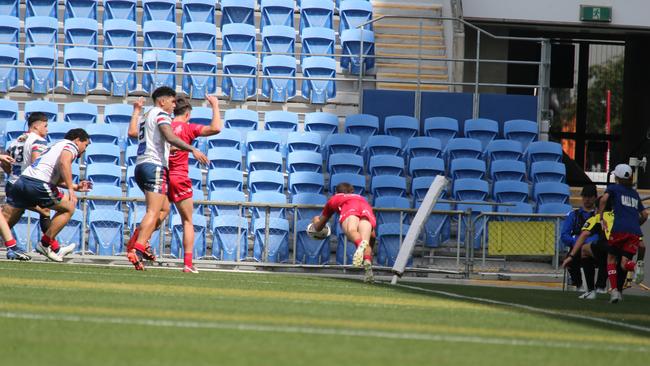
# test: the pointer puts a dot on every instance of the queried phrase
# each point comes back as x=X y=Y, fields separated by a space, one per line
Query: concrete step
x=426 y=39
x=407 y=67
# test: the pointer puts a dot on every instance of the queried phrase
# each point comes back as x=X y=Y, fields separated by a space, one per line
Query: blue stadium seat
x=280 y=39
x=41 y=8
x=426 y=166
x=159 y=34
x=423 y=146
x=230 y=235
x=82 y=32
x=225 y=179
x=200 y=235
x=75 y=9
x=130 y=155
x=345 y=163
x=304 y=161
x=10 y=7
x=201 y=116
x=155 y=236
x=8 y=110
x=239 y=88
x=264 y=160
x=80 y=113
x=76 y=172
x=306 y=182
x=442 y=128
x=106 y=235
x=510 y=191
x=118 y=113
x=437 y=229
x=279 y=71
x=77 y=80
x=277 y=248
x=308 y=250
x=241 y=120
x=238 y=38
x=237 y=11
x=102 y=153
x=388 y=185
x=303 y=141
x=119 y=32
x=384 y=217
x=544 y=151
x=521 y=130
x=419 y=188
x=482 y=129
x=386 y=165
x=119 y=9
x=163 y=62
x=342 y=143
x=351 y=42
x=319 y=91
x=105 y=190
x=263 y=199
x=119 y=71
x=548 y=171
x=281 y=123
x=470 y=190
x=277 y=12
x=40 y=80
x=467 y=168
x=196 y=176
x=198 y=11
x=41 y=31
x=226 y=195
x=51 y=109
x=353 y=13
x=316 y=13
x=357 y=180
x=516 y=208
x=322 y=123
x=104 y=173
x=13 y=129
x=131 y=185
x=158 y=10
x=224 y=157
x=404 y=127
x=9 y=30
x=362 y=125
x=56 y=130
x=504 y=150
x=344 y=248
x=228 y=137
x=508 y=170
x=551 y=192
x=71 y=233
x=103 y=133
x=554 y=208
x=317 y=41
x=479 y=222
x=263 y=140
x=200 y=36
x=200 y=76
x=265 y=180
x=463 y=148
x=383 y=145
x=389 y=242
x=308 y=199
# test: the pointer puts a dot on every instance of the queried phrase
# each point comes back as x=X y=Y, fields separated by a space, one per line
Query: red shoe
x=148 y=253
x=135 y=257
x=131 y=244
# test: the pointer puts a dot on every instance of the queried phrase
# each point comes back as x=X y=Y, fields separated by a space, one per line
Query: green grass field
x=53 y=314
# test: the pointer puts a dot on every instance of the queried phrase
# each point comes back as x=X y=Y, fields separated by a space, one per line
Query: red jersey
x=178 y=159
x=349 y=204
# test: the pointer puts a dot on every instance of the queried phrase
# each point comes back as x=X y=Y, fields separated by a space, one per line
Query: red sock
x=357 y=242
x=187 y=259
x=611 y=273
x=629 y=266
x=134 y=237
x=10 y=243
x=49 y=242
x=367 y=257
x=139 y=247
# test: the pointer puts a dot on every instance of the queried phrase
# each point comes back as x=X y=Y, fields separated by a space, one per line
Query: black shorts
x=600 y=248
x=619 y=252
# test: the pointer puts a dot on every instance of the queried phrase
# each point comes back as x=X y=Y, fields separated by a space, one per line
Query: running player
x=38 y=186
x=625 y=237
x=151 y=174
x=357 y=221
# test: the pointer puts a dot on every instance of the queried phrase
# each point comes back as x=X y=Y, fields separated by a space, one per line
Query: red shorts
x=629 y=243
x=362 y=212
x=180 y=188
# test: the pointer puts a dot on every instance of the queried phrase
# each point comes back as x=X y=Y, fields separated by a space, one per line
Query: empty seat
x=521 y=130
x=342 y=143
x=41 y=31
x=437 y=229
x=198 y=11
x=387 y=185
x=419 y=188
x=544 y=151
x=71 y=233
x=201 y=116
x=508 y=170
x=442 y=128
x=79 y=9
x=276 y=248
x=118 y=113
x=317 y=41
x=242 y=120
x=161 y=66
x=304 y=161
x=119 y=32
x=548 y=171
x=243 y=86
x=422 y=146
x=263 y=140
x=158 y=10
x=280 y=39
x=238 y=38
x=119 y=9
x=322 y=123
x=106 y=236
x=464 y=148
x=277 y=12
x=345 y=163
x=386 y=165
x=482 y=129
x=200 y=36
x=107 y=191
x=470 y=190
x=516 y=208
x=103 y=133
x=504 y=150
x=358 y=181
x=279 y=84
x=426 y=166
x=264 y=160
x=352 y=41
x=200 y=76
x=554 y=208
x=57 y=130
x=467 y=168
x=8 y=110
x=200 y=231
x=81 y=78
x=308 y=199
x=306 y=182
x=225 y=179
x=82 y=32
x=119 y=71
x=9 y=30
x=354 y=13
x=159 y=35
x=10 y=7
x=80 y=113
x=316 y=13
x=385 y=217
x=230 y=235
x=321 y=90
x=130 y=155
x=223 y=209
x=265 y=180
x=404 y=127
x=50 y=109
x=551 y=192
x=237 y=11
x=40 y=8
x=263 y=201
x=362 y=125
x=8 y=67
x=40 y=75
x=383 y=145
x=309 y=250
x=303 y=141
x=224 y=157
x=104 y=173
x=479 y=222
x=510 y=191
x=389 y=242
x=13 y=129
x=281 y=123
x=226 y=138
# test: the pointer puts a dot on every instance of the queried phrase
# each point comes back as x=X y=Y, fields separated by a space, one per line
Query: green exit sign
x=590 y=13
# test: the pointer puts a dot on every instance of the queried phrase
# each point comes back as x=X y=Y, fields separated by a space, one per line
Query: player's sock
x=611 y=273
x=622 y=278
x=629 y=266
x=367 y=257
x=134 y=237
x=357 y=242
x=44 y=222
x=49 y=242
x=187 y=259
x=10 y=243
x=590 y=272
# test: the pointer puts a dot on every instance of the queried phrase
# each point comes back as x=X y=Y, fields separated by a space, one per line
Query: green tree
x=603 y=77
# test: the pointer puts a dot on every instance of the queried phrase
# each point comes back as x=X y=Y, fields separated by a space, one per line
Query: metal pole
x=84 y=235
x=475 y=104
x=543 y=97
x=295 y=233
x=361 y=60
x=418 y=91
x=238 y=248
x=29 y=234
x=265 y=254
x=460 y=217
x=469 y=245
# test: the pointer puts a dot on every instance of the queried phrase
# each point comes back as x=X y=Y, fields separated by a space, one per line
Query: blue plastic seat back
x=242 y=120
x=82 y=77
x=342 y=143
x=226 y=195
x=80 y=113
x=544 y=151
x=423 y=146
x=158 y=10
x=201 y=74
x=308 y=199
x=276 y=249
x=442 y=128
x=244 y=85
x=303 y=141
x=228 y=137
x=482 y=129
x=42 y=79
x=118 y=113
x=385 y=217
x=281 y=123
x=41 y=8
x=389 y=242
x=50 y=109
x=159 y=34
x=523 y=208
x=304 y=161
x=237 y=11
x=322 y=123
x=56 y=130
x=102 y=153
x=80 y=9
x=198 y=11
x=265 y=180
x=263 y=140
x=225 y=179
x=8 y=110
x=352 y=41
x=362 y=125
x=263 y=201
x=278 y=84
x=162 y=61
x=521 y=130
x=437 y=228
x=479 y=222
x=467 y=168
x=306 y=182
x=224 y=157
x=105 y=190
x=404 y=127
x=27 y=230
x=41 y=30
x=104 y=173
x=238 y=38
x=504 y=150
x=106 y=235
x=200 y=36
x=388 y=185
x=277 y=12
x=308 y=250
x=119 y=9
x=103 y=133
x=470 y=190
x=510 y=191
x=130 y=155
x=321 y=68
x=200 y=235
x=13 y=129
x=551 y=192
x=345 y=163
x=354 y=13
x=10 y=7
x=119 y=71
x=119 y=32
x=419 y=187
x=82 y=32
x=264 y=160
x=201 y=116
x=554 y=208
x=280 y=39
x=508 y=170
x=316 y=13
x=383 y=145
x=464 y=148
x=358 y=181
x=317 y=41
x=386 y=165
x=426 y=166
x=9 y=29
x=230 y=233
x=548 y=171
x=71 y=232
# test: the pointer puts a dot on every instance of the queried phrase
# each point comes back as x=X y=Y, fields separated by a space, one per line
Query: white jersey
x=46 y=168
x=152 y=147
x=21 y=150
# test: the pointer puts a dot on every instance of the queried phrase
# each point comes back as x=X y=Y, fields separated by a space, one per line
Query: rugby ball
x=318 y=235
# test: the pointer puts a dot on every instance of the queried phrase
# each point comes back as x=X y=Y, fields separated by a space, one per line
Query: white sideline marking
x=529 y=308
x=321 y=331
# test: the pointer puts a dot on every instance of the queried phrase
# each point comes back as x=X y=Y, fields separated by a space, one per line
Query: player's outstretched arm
x=319 y=222
x=138 y=105
x=216 y=124
x=168 y=133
